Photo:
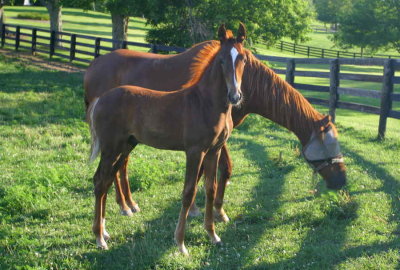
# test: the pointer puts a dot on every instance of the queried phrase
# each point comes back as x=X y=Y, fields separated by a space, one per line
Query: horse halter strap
x=326 y=151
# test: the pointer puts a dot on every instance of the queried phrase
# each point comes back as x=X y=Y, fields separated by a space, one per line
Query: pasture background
x=46 y=205
x=277 y=222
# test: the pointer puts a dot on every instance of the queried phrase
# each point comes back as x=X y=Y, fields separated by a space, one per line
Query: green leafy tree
x=184 y=22
x=328 y=11
x=370 y=24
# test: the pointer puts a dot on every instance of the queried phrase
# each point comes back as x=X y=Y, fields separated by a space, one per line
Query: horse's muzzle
x=337 y=181
x=235 y=98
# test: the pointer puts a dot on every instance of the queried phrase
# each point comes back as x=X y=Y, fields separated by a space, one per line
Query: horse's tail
x=95 y=145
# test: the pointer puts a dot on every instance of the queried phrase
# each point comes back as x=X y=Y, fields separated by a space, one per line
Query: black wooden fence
x=74 y=47
x=48 y=42
x=323 y=53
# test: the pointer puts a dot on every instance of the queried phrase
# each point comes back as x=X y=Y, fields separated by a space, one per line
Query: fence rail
x=72 y=46
x=324 y=53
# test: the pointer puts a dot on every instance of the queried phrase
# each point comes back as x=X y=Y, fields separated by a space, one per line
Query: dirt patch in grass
x=27 y=59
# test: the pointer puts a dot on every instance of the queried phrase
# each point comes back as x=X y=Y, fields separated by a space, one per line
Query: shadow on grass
x=88 y=32
x=41 y=97
x=93 y=24
x=323 y=246
x=86 y=14
x=247 y=228
x=145 y=248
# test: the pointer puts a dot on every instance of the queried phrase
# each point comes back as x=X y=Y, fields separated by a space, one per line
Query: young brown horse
x=265 y=93
x=196 y=119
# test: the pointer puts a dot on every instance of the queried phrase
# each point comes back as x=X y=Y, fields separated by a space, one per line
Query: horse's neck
x=272 y=97
x=183 y=60
x=212 y=89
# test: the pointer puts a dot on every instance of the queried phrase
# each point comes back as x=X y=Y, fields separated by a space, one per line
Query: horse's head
x=232 y=59
x=322 y=152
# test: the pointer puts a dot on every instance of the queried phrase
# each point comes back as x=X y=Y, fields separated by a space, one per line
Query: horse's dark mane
x=284 y=104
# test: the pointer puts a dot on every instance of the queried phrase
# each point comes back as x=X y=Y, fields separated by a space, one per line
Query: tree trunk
x=2 y=21
x=54 y=8
x=362 y=52
x=119 y=29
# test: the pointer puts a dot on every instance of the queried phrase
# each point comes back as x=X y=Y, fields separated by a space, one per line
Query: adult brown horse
x=265 y=93
x=195 y=119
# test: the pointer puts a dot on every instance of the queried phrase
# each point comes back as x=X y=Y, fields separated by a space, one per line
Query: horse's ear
x=222 y=35
x=241 y=36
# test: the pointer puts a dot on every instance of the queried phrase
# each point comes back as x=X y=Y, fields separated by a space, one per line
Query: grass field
x=46 y=198
x=277 y=222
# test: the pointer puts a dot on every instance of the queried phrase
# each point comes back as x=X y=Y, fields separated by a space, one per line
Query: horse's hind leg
x=103 y=178
x=120 y=197
x=225 y=168
x=194 y=211
x=123 y=172
x=102 y=181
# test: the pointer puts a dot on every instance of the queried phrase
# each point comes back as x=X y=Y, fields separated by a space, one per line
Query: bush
x=33 y=16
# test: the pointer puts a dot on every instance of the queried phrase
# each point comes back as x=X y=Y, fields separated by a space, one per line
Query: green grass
x=46 y=194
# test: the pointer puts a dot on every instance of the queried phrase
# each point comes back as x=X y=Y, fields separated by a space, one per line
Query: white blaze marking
x=234 y=54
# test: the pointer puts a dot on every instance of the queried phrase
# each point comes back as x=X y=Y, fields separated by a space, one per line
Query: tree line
x=367 y=24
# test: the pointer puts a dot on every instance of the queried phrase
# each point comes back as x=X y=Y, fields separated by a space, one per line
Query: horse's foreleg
x=225 y=168
x=123 y=173
x=210 y=171
x=194 y=160
x=120 y=197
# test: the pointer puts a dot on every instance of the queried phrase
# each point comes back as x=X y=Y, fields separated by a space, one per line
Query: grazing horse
x=265 y=94
x=195 y=119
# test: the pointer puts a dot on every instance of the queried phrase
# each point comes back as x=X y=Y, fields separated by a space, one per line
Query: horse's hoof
x=219 y=244
x=224 y=218
x=183 y=250
x=101 y=244
x=127 y=212
x=216 y=240
x=106 y=236
x=221 y=217
x=194 y=211
x=135 y=208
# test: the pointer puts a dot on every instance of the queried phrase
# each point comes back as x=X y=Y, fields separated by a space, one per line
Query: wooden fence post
x=323 y=53
x=154 y=48
x=72 y=48
x=308 y=51
x=124 y=44
x=281 y=45
x=290 y=69
x=17 y=37
x=3 y=34
x=97 y=47
x=294 y=48
x=333 y=87
x=34 y=36
x=52 y=43
x=386 y=96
